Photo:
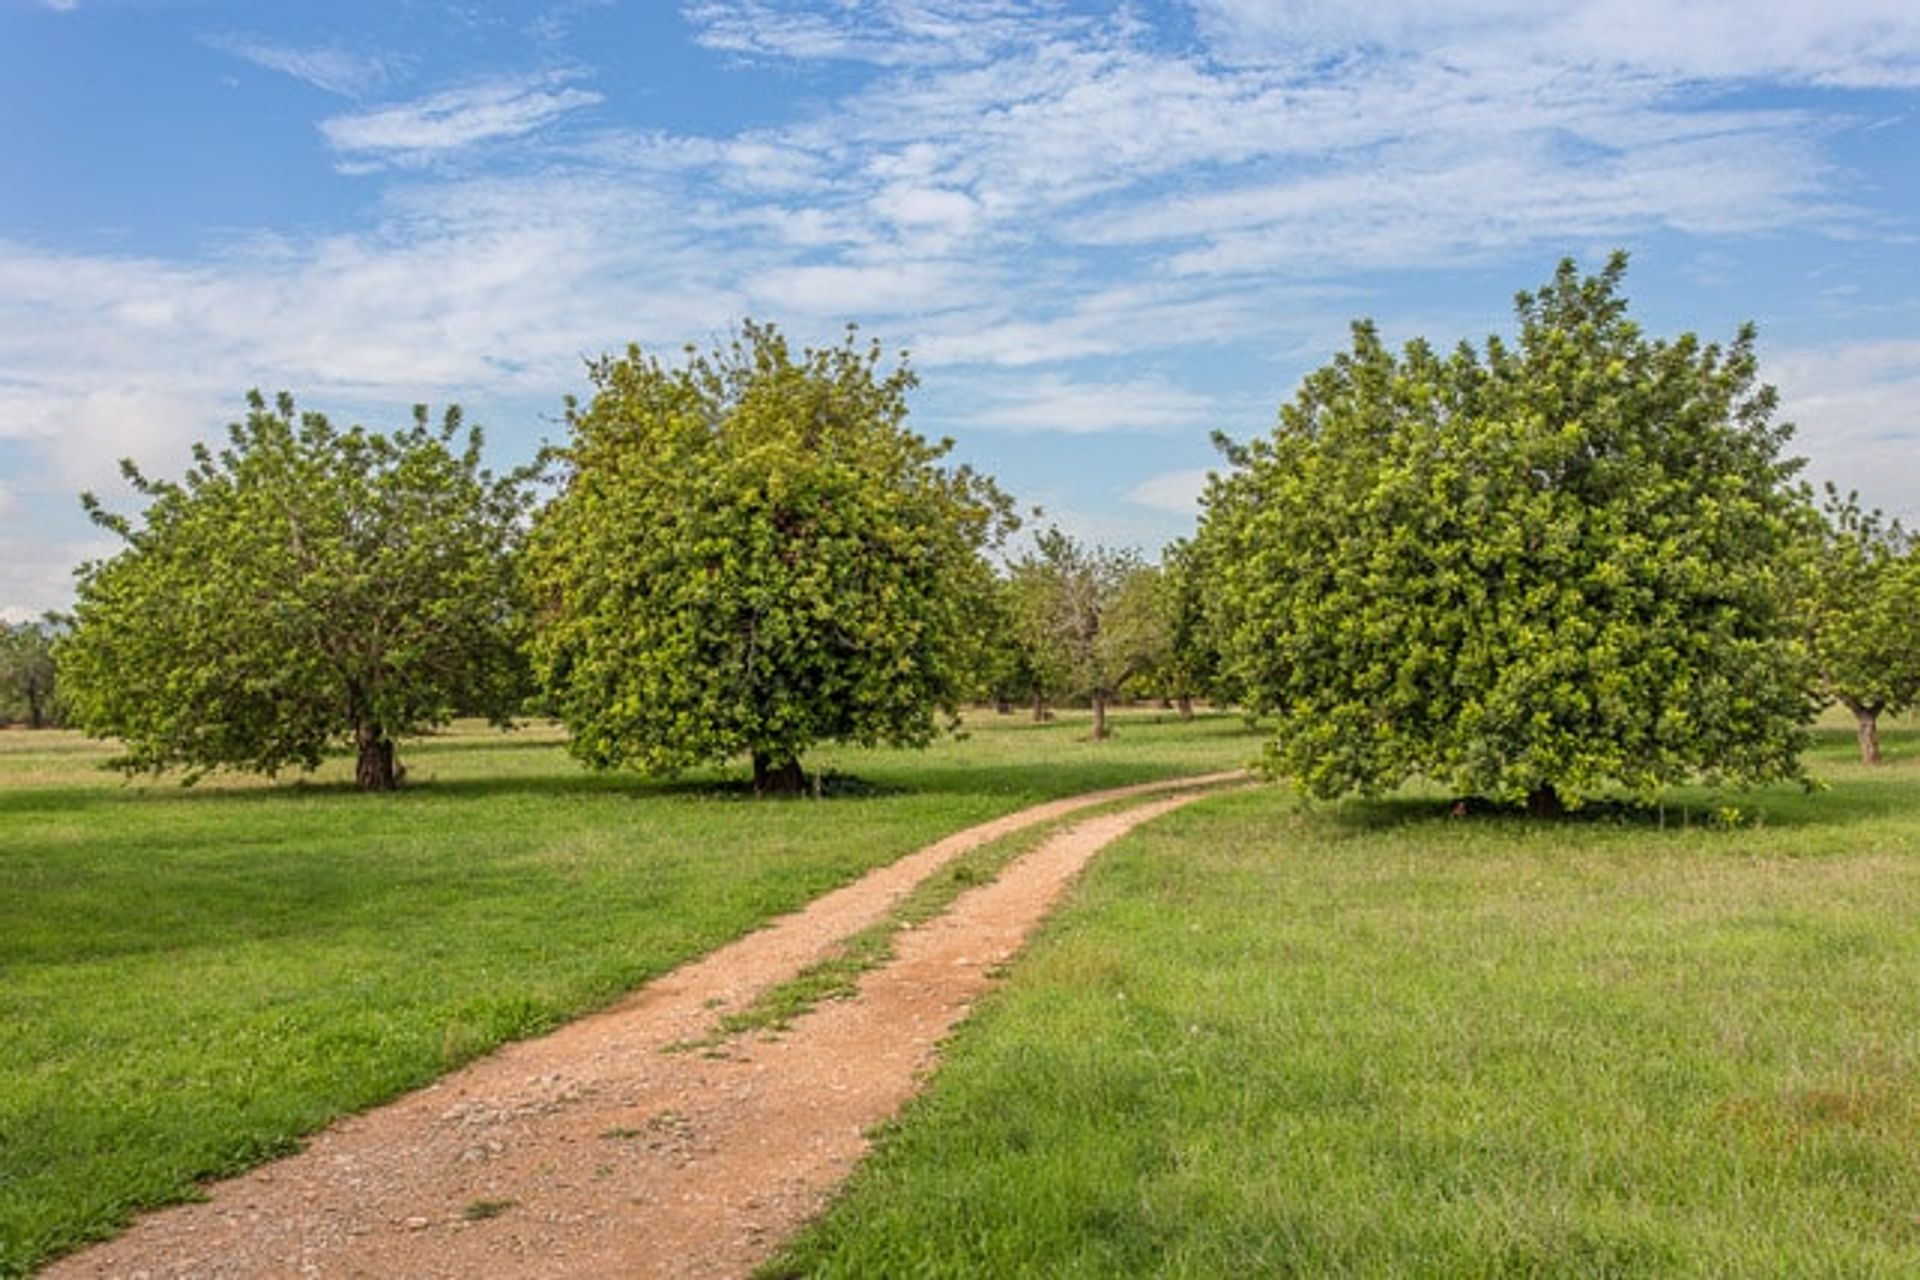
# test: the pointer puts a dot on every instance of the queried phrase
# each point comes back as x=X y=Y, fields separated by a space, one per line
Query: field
x=1265 y=1036
x=190 y=978
x=1271 y=1038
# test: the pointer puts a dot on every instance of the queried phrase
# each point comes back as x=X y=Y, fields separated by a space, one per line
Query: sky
x=1102 y=231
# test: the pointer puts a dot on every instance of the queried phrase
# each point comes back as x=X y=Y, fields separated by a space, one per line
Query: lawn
x=1269 y=1037
x=192 y=978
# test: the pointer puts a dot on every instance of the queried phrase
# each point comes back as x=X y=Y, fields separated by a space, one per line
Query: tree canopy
x=301 y=588
x=750 y=552
x=1529 y=570
x=1863 y=613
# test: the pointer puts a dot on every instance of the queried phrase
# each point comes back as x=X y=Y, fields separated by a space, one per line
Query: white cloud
x=336 y=70
x=1077 y=136
x=1009 y=184
x=937 y=207
x=1175 y=491
x=884 y=32
x=1054 y=403
x=37 y=574
x=1060 y=317
x=84 y=437
x=61 y=6
x=849 y=290
x=1854 y=43
x=411 y=131
x=1856 y=407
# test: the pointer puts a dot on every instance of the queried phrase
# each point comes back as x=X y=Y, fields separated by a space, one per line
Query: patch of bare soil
x=591 y=1152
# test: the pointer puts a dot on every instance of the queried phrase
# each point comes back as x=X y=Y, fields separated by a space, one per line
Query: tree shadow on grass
x=1027 y=782
x=1695 y=809
x=1844 y=793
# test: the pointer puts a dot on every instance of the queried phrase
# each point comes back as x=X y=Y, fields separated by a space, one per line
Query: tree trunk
x=1099 y=715
x=1001 y=707
x=375 y=771
x=1040 y=713
x=1544 y=802
x=783 y=779
x=1868 y=720
x=36 y=713
x=1185 y=704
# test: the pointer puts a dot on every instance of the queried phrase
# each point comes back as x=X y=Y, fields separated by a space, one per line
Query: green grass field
x=1276 y=1038
x=190 y=979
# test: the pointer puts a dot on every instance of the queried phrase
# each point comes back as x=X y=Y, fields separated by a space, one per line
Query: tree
x=302 y=586
x=751 y=553
x=1006 y=667
x=1067 y=594
x=1136 y=635
x=1193 y=660
x=1527 y=572
x=27 y=685
x=1030 y=660
x=1863 y=606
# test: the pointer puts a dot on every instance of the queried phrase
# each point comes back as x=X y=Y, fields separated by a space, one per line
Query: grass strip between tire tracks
x=837 y=976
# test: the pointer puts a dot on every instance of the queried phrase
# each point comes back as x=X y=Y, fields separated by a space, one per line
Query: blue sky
x=1101 y=230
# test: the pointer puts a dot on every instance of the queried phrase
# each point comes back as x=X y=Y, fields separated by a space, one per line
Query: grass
x=482 y=1210
x=837 y=976
x=190 y=980
x=1276 y=1038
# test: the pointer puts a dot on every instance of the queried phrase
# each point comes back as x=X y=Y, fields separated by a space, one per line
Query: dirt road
x=592 y=1152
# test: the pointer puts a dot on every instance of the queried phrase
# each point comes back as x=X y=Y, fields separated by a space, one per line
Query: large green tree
x=1530 y=571
x=27 y=686
x=1863 y=607
x=300 y=588
x=750 y=552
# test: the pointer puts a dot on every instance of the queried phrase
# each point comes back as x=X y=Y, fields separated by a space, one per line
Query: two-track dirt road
x=592 y=1152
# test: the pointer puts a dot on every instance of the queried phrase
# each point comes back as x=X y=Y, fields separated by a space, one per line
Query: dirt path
x=590 y=1152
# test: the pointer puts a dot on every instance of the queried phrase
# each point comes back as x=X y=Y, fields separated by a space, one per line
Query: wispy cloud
x=1056 y=403
x=409 y=132
x=1052 y=206
x=855 y=289
x=882 y=32
x=340 y=71
x=1842 y=43
x=37 y=574
x=1081 y=135
x=1857 y=409
x=1176 y=492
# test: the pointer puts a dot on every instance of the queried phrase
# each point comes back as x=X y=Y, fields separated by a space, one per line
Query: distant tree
x=1068 y=593
x=1192 y=659
x=1863 y=603
x=1136 y=636
x=1031 y=663
x=1527 y=572
x=1004 y=671
x=27 y=685
x=751 y=553
x=302 y=587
